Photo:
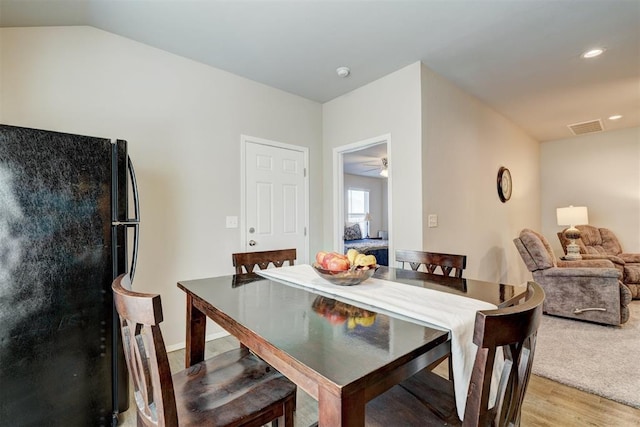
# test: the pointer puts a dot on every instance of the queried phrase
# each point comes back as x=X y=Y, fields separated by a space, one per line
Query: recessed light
x=592 y=53
x=343 y=71
x=615 y=117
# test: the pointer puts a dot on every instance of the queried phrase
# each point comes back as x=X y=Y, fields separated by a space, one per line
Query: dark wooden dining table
x=341 y=352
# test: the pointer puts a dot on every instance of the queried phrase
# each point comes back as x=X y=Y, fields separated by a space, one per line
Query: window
x=357 y=204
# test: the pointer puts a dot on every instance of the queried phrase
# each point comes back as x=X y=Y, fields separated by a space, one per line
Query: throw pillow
x=353 y=232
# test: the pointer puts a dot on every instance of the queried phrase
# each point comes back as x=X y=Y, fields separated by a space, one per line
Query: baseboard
x=181 y=345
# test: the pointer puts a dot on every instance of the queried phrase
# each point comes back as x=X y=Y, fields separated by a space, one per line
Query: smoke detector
x=343 y=71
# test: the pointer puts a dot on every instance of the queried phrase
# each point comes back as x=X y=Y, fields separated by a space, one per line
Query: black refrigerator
x=68 y=209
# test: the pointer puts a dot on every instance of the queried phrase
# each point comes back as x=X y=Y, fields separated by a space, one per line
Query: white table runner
x=453 y=312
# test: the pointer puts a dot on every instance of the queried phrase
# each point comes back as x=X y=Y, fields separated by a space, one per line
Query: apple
x=331 y=256
x=337 y=263
x=320 y=257
x=332 y=261
x=336 y=319
x=325 y=260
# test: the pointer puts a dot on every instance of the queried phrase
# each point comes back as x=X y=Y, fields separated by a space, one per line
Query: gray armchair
x=602 y=243
x=588 y=290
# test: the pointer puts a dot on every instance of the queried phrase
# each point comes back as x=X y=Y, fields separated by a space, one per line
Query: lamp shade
x=367 y=217
x=573 y=215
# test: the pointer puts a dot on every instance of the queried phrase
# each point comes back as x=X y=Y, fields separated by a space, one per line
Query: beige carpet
x=602 y=360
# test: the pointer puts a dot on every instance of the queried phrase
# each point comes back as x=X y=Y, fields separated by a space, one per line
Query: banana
x=365 y=260
x=366 y=321
x=352 y=322
x=351 y=255
x=370 y=260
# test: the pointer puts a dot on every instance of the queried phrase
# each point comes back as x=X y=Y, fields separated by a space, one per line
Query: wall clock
x=504 y=184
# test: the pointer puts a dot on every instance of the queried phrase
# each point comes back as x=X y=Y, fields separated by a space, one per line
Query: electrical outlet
x=232 y=222
x=432 y=220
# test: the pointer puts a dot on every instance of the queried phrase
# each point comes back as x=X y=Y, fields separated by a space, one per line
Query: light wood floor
x=547 y=403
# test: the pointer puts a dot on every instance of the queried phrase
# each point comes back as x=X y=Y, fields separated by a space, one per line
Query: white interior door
x=275 y=214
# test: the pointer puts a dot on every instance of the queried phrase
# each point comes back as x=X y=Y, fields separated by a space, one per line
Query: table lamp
x=367 y=218
x=572 y=216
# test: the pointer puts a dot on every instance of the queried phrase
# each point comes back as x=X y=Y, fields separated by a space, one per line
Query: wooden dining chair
x=262 y=259
x=234 y=388
x=433 y=261
x=427 y=399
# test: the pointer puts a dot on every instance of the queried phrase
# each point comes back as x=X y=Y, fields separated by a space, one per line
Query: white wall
x=464 y=144
x=600 y=171
x=445 y=151
x=390 y=105
x=183 y=122
x=377 y=200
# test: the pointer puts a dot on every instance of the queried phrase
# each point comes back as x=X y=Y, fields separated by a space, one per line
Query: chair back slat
x=514 y=330
x=435 y=263
x=428 y=399
x=233 y=389
x=262 y=259
x=145 y=354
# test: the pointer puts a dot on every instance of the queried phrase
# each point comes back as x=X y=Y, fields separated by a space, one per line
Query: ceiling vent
x=586 y=127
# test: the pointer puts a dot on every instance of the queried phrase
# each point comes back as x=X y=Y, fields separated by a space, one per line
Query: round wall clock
x=504 y=184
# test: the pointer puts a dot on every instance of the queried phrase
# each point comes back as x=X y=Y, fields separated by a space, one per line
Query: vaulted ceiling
x=522 y=57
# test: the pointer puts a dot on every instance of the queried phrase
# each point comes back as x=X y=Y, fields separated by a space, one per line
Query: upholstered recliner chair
x=586 y=290
x=599 y=243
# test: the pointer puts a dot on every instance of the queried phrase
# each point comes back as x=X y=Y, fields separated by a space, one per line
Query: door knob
x=252 y=242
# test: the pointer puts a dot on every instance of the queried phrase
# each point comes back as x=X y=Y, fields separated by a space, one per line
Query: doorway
x=275 y=202
x=363 y=165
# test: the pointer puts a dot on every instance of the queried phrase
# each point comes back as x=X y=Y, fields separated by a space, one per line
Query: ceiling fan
x=384 y=167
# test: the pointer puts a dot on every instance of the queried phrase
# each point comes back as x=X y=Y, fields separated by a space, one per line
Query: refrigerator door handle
x=134 y=187
x=132 y=222
x=135 y=221
x=134 y=254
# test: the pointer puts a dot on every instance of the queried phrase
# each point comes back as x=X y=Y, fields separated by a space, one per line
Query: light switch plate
x=232 y=222
x=432 y=220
